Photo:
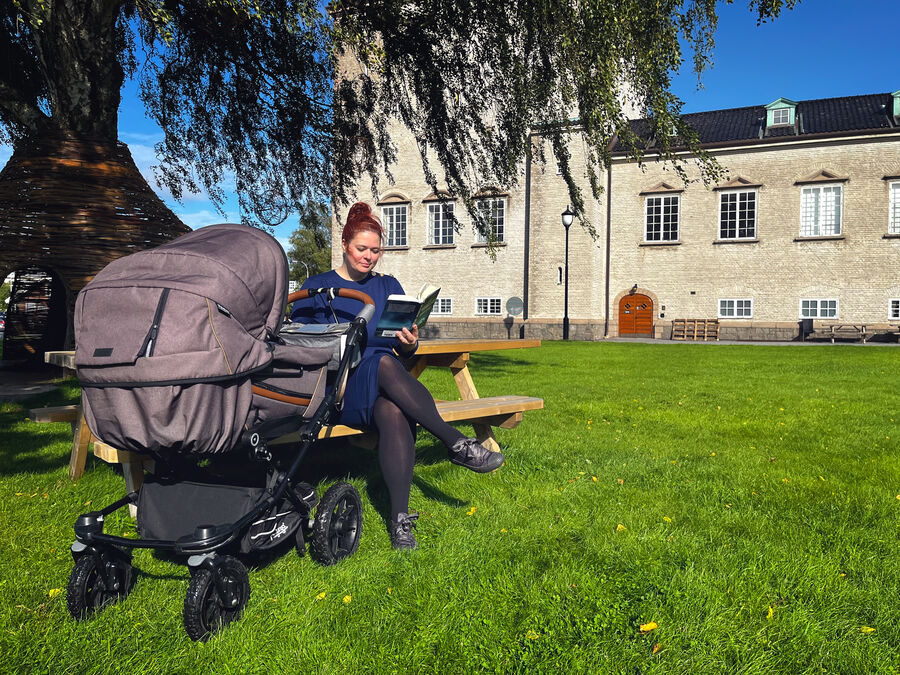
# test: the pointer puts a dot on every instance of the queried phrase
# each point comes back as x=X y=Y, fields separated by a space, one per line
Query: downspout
x=608 y=244
x=527 y=229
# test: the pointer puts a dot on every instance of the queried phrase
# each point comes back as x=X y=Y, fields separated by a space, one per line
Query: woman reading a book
x=381 y=394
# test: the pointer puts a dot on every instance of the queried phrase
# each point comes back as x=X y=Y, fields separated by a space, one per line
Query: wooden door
x=635 y=316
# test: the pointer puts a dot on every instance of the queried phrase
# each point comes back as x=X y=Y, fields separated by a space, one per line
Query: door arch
x=635 y=316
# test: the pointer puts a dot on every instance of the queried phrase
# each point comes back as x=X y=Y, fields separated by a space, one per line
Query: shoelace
x=405 y=525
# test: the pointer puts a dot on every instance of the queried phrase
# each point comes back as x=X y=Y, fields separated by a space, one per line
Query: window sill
x=831 y=237
x=891 y=236
x=660 y=243
x=736 y=241
x=434 y=247
x=485 y=245
x=396 y=248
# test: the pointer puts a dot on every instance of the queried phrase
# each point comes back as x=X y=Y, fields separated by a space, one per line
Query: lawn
x=744 y=500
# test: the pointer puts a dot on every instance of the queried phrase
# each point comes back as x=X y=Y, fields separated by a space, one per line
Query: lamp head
x=568 y=217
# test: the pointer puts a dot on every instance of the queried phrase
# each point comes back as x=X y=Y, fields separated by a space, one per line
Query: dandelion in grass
x=348 y=599
x=321 y=596
x=53 y=592
x=390 y=591
x=666 y=519
x=866 y=629
x=620 y=481
x=594 y=478
x=503 y=530
x=620 y=528
x=531 y=635
x=656 y=648
x=649 y=627
x=471 y=512
x=770 y=613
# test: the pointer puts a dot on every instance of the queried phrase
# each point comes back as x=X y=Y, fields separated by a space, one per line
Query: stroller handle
x=332 y=292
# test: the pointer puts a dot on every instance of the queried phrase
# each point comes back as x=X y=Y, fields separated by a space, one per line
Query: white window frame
x=389 y=213
x=894 y=207
x=778 y=113
x=737 y=306
x=811 y=219
x=816 y=313
x=665 y=199
x=894 y=309
x=497 y=217
x=737 y=227
x=447 y=235
x=489 y=302
x=443 y=307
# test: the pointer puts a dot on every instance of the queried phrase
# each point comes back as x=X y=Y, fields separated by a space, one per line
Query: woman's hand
x=408 y=338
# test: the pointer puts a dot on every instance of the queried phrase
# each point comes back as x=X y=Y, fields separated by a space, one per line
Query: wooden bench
x=841 y=331
x=695 y=329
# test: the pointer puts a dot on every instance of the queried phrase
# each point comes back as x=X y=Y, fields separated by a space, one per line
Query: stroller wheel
x=338 y=525
x=96 y=582
x=216 y=596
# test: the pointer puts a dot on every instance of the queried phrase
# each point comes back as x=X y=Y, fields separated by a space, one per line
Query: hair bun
x=358 y=210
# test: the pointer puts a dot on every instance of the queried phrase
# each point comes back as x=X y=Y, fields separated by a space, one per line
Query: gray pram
x=182 y=356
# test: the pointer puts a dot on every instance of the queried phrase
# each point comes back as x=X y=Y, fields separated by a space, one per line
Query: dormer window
x=896 y=100
x=781 y=113
x=781 y=116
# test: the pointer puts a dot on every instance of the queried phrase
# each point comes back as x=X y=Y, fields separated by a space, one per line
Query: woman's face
x=362 y=252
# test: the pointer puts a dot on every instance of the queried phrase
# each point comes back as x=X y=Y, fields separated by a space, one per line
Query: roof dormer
x=896 y=97
x=781 y=113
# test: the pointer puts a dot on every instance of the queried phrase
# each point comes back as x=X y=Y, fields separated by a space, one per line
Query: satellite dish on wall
x=514 y=306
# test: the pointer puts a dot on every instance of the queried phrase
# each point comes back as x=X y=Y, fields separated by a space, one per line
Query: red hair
x=361 y=219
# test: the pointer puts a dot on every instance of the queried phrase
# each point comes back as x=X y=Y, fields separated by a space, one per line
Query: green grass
x=756 y=488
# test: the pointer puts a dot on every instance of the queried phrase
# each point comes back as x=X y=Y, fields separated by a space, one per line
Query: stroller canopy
x=243 y=269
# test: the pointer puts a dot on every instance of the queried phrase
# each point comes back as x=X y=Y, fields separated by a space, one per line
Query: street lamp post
x=567 y=218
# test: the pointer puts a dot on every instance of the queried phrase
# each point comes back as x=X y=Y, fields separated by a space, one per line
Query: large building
x=806 y=225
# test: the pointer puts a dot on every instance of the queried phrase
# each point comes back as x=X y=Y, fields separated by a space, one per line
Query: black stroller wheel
x=212 y=603
x=338 y=525
x=92 y=587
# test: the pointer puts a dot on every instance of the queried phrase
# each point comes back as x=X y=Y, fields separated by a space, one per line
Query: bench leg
x=80 y=445
x=483 y=432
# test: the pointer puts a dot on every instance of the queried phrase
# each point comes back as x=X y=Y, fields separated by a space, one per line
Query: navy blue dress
x=362 y=387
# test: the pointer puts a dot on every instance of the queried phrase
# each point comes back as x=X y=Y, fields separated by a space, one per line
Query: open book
x=406 y=310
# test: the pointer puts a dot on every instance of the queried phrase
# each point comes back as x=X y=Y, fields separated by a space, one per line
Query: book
x=405 y=310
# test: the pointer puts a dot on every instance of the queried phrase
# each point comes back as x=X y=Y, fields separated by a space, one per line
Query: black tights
x=403 y=402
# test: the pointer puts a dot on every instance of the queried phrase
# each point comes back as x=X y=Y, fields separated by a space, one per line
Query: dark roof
x=846 y=114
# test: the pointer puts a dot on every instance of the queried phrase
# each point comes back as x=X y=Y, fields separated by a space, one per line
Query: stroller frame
x=219 y=582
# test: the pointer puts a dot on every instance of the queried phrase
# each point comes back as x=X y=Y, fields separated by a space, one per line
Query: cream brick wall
x=860 y=269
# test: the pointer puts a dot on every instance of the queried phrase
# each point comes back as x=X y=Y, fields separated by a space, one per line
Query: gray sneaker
x=402 y=537
x=471 y=454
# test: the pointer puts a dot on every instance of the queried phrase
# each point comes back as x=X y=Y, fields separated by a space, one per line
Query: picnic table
x=853 y=331
x=482 y=413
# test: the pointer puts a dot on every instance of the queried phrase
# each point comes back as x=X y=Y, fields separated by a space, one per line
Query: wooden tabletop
x=66 y=359
x=459 y=346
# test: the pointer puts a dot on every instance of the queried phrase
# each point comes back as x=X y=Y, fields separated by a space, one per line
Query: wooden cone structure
x=71 y=206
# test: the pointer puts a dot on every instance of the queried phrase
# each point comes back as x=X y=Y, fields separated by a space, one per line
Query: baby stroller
x=182 y=356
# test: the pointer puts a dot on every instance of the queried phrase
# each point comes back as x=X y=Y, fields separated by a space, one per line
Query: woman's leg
x=414 y=399
x=396 y=452
x=416 y=402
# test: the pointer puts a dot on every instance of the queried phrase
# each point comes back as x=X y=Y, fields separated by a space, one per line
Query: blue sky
x=820 y=49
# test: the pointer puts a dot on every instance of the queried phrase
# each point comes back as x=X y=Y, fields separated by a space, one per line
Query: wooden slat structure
x=695 y=329
x=71 y=206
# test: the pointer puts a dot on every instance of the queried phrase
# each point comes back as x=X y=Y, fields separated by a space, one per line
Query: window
x=662 y=218
x=440 y=224
x=443 y=306
x=894 y=309
x=495 y=211
x=818 y=309
x=781 y=116
x=487 y=305
x=736 y=309
x=395 y=219
x=737 y=215
x=820 y=211
x=894 y=209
